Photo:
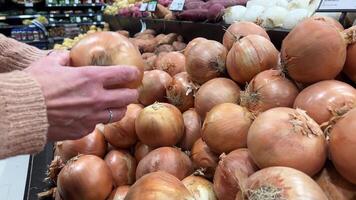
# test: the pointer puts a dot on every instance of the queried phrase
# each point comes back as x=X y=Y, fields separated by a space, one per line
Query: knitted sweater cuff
x=16 y=55
x=23 y=121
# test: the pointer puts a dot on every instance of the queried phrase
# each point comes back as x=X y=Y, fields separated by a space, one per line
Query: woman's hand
x=76 y=98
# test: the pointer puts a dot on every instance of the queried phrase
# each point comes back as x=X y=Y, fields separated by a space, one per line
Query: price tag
x=152 y=6
x=337 y=5
x=28 y=3
x=143 y=7
x=177 y=5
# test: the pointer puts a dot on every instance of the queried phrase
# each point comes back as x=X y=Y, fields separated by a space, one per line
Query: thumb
x=60 y=57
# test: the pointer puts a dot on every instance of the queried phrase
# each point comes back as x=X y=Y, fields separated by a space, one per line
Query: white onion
x=294 y=4
x=282 y=3
x=266 y=3
x=294 y=17
x=234 y=14
x=274 y=17
x=253 y=14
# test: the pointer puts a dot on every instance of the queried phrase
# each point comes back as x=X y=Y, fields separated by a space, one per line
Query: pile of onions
x=201 y=188
x=343 y=146
x=158 y=186
x=350 y=64
x=92 y=144
x=107 y=48
x=307 y=57
x=287 y=137
x=203 y=158
x=167 y=159
x=119 y=193
x=326 y=99
x=191 y=44
x=171 y=62
x=334 y=185
x=192 y=129
x=238 y=30
x=150 y=60
x=250 y=56
x=214 y=92
x=153 y=87
x=141 y=150
x=122 y=166
x=232 y=172
x=180 y=92
x=85 y=177
x=268 y=89
x=206 y=60
x=122 y=134
x=225 y=127
x=160 y=124
x=281 y=183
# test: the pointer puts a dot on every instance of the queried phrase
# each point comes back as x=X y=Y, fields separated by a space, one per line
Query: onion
x=172 y=63
x=141 y=150
x=334 y=185
x=150 y=60
x=253 y=14
x=326 y=99
x=329 y=20
x=85 y=177
x=232 y=172
x=287 y=137
x=122 y=166
x=214 y=92
x=203 y=158
x=167 y=159
x=201 y=188
x=225 y=127
x=294 y=4
x=350 y=65
x=242 y=29
x=92 y=144
x=119 y=193
x=281 y=183
x=250 y=56
x=122 y=134
x=180 y=92
x=233 y=14
x=107 y=48
x=268 y=89
x=274 y=16
x=159 y=186
x=294 y=17
x=192 y=129
x=179 y=46
x=206 y=60
x=343 y=146
x=191 y=44
x=153 y=86
x=160 y=124
x=313 y=51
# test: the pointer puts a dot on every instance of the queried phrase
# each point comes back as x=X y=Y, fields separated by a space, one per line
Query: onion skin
x=342 y=145
x=282 y=183
x=203 y=157
x=153 y=87
x=191 y=44
x=206 y=60
x=214 y=92
x=326 y=99
x=180 y=92
x=225 y=127
x=268 y=89
x=160 y=124
x=334 y=185
x=92 y=144
x=150 y=60
x=172 y=63
x=107 y=48
x=250 y=56
x=122 y=166
x=231 y=173
x=242 y=29
x=122 y=134
x=307 y=57
x=119 y=193
x=141 y=150
x=167 y=159
x=350 y=65
x=287 y=137
x=201 y=188
x=192 y=129
x=159 y=186
x=329 y=20
x=86 y=177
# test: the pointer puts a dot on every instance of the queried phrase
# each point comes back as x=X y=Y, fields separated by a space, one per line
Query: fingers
x=117 y=98
x=104 y=116
x=60 y=57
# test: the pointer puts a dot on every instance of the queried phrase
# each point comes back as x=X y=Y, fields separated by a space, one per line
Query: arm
x=16 y=55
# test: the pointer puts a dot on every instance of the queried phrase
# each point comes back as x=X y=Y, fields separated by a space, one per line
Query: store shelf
x=75 y=5
x=73 y=23
x=18 y=17
x=35 y=42
x=73 y=15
